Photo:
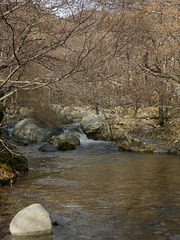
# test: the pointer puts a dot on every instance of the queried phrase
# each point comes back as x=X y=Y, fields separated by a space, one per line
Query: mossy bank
x=11 y=166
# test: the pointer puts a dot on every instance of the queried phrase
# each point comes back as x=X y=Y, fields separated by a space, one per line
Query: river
x=98 y=192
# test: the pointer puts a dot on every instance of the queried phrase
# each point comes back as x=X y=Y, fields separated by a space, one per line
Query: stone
x=92 y=125
x=56 y=144
x=70 y=138
x=48 y=147
x=65 y=116
x=60 y=144
x=31 y=131
x=32 y=220
x=25 y=111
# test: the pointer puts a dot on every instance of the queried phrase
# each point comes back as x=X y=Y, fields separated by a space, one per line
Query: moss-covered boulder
x=56 y=144
x=70 y=138
x=61 y=144
x=11 y=166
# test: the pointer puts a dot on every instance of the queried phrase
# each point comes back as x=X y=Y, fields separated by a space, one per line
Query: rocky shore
x=137 y=133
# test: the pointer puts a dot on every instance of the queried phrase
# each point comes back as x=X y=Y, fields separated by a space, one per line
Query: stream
x=98 y=192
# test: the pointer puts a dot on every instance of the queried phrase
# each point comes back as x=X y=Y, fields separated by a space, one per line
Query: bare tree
x=35 y=37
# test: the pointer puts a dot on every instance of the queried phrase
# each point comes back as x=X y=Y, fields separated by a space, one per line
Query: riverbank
x=12 y=165
x=140 y=132
x=146 y=135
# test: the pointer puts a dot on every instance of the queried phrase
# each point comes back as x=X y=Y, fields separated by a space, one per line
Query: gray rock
x=70 y=137
x=48 y=147
x=60 y=144
x=65 y=116
x=31 y=220
x=30 y=130
x=93 y=124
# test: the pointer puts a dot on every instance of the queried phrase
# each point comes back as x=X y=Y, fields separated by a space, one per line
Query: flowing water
x=98 y=192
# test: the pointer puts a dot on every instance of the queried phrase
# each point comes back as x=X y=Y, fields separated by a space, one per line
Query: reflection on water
x=97 y=192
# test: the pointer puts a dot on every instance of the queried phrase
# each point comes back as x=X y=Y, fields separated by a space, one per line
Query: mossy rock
x=61 y=145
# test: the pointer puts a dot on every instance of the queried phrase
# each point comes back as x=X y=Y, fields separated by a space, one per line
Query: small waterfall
x=75 y=128
x=10 y=128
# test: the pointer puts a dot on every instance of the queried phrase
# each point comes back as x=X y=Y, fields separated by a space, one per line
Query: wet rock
x=56 y=144
x=48 y=147
x=70 y=138
x=60 y=144
x=31 y=220
x=30 y=130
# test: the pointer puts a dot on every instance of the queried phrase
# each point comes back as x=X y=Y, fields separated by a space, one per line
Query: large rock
x=56 y=144
x=70 y=138
x=48 y=147
x=31 y=220
x=92 y=125
x=30 y=130
x=60 y=144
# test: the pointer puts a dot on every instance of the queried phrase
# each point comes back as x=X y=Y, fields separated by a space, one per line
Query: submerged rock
x=31 y=220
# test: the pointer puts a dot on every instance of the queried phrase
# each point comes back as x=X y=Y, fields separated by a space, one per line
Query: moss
x=65 y=146
x=11 y=166
x=61 y=144
x=6 y=168
x=10 y=159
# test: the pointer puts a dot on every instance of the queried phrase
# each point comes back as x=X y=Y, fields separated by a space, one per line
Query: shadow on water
x=97 y=192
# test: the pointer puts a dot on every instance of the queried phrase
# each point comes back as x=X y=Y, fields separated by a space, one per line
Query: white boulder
x=31 y=220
